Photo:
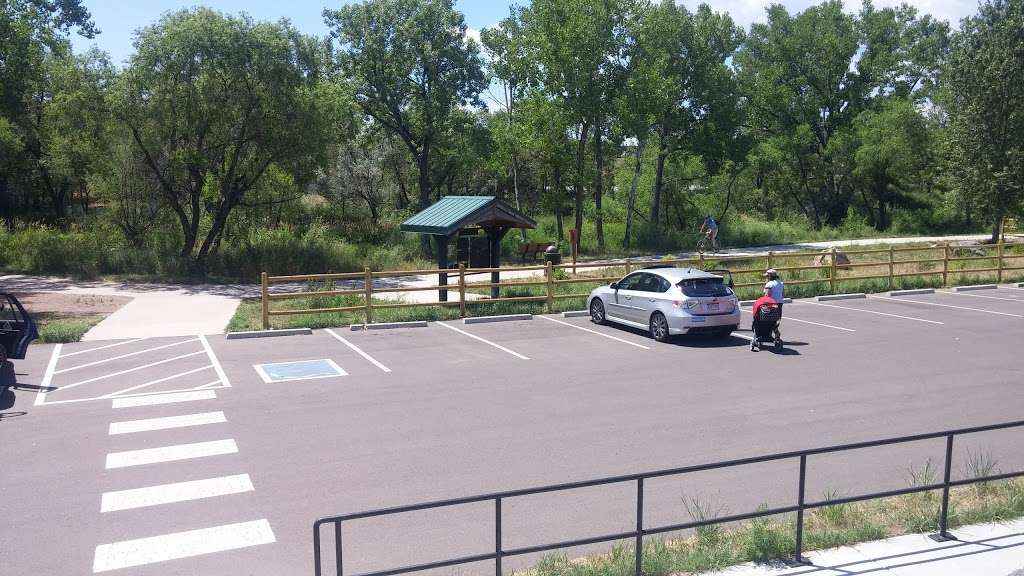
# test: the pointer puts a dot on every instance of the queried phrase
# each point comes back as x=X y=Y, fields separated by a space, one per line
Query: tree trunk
x=997 y=223
x=599 y=185
x=560 y=195
x=631 y=203
x=581 y=149
x=659 y=171
x=423 y=164
x=6 y=206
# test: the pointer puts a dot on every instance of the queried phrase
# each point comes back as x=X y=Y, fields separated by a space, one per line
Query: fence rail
x=827 y=263
x=641 y=531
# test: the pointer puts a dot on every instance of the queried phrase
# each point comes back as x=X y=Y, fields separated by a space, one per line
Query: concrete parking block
x=576 y=314
x=268 y=333
x=389 y=325
x=505 y=318
x=915 y=292
x=975 y=287
x=832 y=297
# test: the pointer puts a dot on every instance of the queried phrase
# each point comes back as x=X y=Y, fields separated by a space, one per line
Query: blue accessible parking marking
x=301 y=370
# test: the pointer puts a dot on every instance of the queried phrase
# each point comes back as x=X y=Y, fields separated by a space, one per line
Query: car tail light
x=677 y=303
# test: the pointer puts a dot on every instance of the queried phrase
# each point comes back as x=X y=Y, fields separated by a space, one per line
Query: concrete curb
x=390 y=325
x=506 y=318
x=268 y=333
x=575 y=314
x=975 y=287
x=914 y=292
x=1020 y=284
x=751 y=302
x=832 y=297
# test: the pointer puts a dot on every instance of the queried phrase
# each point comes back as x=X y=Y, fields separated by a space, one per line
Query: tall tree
x=214 y=101
x=986 y=106
x=410 y=67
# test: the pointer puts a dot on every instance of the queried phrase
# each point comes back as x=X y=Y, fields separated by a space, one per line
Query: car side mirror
x=614 y=285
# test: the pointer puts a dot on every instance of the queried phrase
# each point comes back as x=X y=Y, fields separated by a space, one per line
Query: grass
x=772 y=538
x=64 y=330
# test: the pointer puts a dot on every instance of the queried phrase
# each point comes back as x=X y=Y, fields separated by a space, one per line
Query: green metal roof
x=452 y=213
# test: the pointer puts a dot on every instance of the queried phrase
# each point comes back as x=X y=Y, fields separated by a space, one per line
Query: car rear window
x=704 y=287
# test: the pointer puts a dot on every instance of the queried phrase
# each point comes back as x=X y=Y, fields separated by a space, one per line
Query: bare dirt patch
x=65 y=317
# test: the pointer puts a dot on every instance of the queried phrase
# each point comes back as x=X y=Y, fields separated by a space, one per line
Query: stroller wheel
x=753 y=345
x=778 y=343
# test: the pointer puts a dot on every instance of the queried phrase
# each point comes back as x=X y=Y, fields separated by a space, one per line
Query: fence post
x=800 y=511
x=943 y=534
x=999 y=272
x=549 y=274
x=892 y=260
x=462 y=289
x=497 y=537
x=768 y=261
x=832 y=274
x=639 y=567
x=339 y=565
x=700 y=259
x=945 y=265
x=629 y=266
x=264 y=301
x=368 y=291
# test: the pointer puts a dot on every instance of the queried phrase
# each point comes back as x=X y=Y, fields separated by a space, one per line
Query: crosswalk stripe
x=154 y=399
x=177 y=545
x=175 y=492
x=170 y=453
x=166 y=423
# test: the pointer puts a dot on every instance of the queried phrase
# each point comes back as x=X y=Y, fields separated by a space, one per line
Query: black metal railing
x=640 y=531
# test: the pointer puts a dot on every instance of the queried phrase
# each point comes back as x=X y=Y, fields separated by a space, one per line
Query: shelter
x=445 y=219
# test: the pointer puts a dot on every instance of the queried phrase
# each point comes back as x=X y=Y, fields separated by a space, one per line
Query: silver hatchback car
x=665 y=301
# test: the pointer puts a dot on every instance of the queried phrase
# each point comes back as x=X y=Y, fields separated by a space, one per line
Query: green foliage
x=63 y=331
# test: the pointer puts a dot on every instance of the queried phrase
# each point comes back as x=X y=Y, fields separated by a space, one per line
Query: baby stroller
x=766 y=326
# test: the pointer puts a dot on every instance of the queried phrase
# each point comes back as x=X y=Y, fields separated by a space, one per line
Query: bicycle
x=705 y=241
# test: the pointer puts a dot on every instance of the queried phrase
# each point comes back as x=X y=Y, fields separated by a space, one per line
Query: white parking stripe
x=181 y=545
x=744 y=336
x=157 y=381
x=136 y=353
x=609 y=336
x=170 y=453
x=949 y=306
x=122 y=343
x=47 y=376
x=358 y=350
x=979 y=296
x=790 y=318
x=175 y=492
x=155 y=399
x=871 y=312
x=475 y=337
x=215 y=362
x=166 y=423
x=210 y=385
x=135 y=369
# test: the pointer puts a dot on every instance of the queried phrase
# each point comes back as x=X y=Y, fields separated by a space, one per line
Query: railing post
x=944 y=534
x=832 y=274
x=368 y=290
x=462 y=289
x=800 y=511
x=337 y=549
x=629 y=266
x=497 y=537
x=265 y=301
x=316 y=549
x=639 y=567
x=999 y=272
x=892 y=261
x=945 y=265
x=768 y=260
x=549 y=273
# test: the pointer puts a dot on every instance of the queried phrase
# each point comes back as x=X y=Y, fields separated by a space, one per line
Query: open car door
x=17 y=329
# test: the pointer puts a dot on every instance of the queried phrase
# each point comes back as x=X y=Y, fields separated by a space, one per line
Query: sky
x=119 y=19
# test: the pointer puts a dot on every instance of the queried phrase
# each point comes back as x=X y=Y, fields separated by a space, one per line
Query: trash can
x=551 y=254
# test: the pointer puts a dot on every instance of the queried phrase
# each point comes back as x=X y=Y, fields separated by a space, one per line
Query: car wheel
x=659 y=327
x=597 y=311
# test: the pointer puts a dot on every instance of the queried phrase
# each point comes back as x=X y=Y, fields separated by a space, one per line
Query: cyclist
x=710 y=229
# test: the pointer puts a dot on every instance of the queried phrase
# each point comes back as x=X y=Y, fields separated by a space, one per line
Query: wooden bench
x=533 y=249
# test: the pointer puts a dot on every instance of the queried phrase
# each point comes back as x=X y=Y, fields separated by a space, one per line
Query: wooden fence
x=828 y=264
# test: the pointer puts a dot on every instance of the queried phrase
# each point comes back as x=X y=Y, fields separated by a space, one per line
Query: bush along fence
x=805 y=274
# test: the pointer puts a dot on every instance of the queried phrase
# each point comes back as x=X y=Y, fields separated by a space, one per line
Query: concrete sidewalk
x=981 y=550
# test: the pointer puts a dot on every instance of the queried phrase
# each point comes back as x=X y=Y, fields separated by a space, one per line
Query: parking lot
x=202 y=455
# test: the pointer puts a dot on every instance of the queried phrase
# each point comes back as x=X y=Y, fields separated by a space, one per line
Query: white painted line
x=181 y=545
x=166 y=423
x=171 y=453
x=873 y=312
x=140 y=394
x=215 y=362
x=950 y=306
x=205 y=386
x=122 y=343
x=175 y=492
x=136 y=353
x=475 y=337
x=744 y=336
x=981 y=296
x=784 y=317
x=158 y=380
x=610 y=337
x=156 y=399
x=47 y=376
x=135 y=369
x=358 y=350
